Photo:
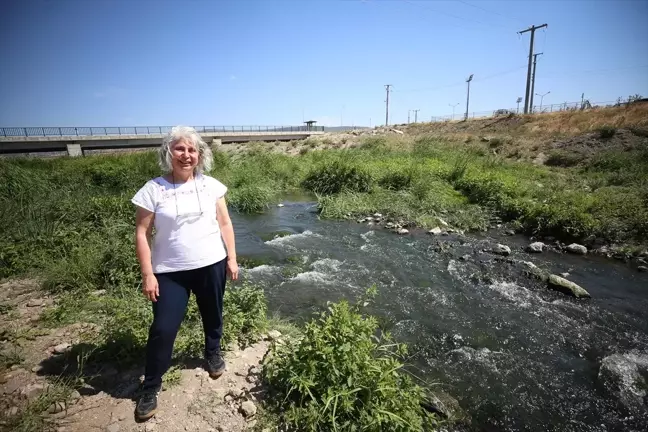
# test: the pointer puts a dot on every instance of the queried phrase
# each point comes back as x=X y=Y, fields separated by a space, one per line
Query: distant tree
x=634 y=97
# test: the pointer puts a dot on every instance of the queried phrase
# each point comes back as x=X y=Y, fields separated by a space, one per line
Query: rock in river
x=576 y=249
x=435 y=231
x=623 y=375
x=567 y=287
x=501 y=249
x=535 y=247
x=402 y=231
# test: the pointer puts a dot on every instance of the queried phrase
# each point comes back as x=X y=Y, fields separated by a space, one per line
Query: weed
x=342 y=376
x=606 y=132
x=563 y=158
x=172 y=377
x=335 y=177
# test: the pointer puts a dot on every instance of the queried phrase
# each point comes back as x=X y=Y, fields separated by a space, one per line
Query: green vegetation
x=341 y=376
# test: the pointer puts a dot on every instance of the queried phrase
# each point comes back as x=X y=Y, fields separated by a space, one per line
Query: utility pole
x=408 y=116
x=532 y=29
x=387 y=105
x=416 y=115
x=453 y=108
x=468 y=95
x=518 y=103
x=533 y=81
x=542 y=98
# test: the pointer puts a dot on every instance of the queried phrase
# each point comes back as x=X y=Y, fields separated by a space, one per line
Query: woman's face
x=184 y=156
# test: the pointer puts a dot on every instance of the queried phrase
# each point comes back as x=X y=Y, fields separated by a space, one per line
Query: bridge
x=76 y=140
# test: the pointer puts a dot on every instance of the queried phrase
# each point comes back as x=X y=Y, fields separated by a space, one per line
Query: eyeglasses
x=191 y=214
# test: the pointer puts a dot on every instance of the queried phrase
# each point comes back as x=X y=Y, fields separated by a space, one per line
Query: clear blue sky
x=258 y=62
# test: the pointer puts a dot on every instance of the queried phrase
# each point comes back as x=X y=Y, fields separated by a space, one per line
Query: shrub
x=341 y=376
x=374 y=143
x=563 y=158
x=606 y=132
x=250 y=198
x=335 y=177
x=396 y=180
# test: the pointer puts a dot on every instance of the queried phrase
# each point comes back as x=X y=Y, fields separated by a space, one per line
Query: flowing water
x=517 y=356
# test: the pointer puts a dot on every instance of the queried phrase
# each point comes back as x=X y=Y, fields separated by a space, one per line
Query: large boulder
x=567 y=287
x=626 y=377
x=576 y=249
x=501 y=249
x=535 y=247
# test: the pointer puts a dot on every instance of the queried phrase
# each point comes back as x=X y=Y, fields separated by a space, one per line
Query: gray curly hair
x=178 y=133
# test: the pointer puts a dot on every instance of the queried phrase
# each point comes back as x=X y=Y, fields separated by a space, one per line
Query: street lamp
x=453 y=109
x=468 y=95
x=518 y=104
x=541 y=98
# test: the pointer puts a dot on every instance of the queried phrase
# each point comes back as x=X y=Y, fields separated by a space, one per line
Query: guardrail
x=142 y=130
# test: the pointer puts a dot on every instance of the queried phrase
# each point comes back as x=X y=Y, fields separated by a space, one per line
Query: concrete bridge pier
x=74 y=149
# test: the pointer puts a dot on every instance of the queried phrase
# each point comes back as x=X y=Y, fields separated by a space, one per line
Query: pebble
x=35 y=302
x=402 y=231
x=12 y=411
x=37 y=368
x=251 y=424
x=280 y=205
x=61 y=348
x=56 y=407
x=435 y=231
x=149 y=427
x=642 y=268
x=565 y=275
x=248 y=409
x=442 y=222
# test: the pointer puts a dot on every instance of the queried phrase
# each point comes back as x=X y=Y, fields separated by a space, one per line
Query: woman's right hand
x=150 y=287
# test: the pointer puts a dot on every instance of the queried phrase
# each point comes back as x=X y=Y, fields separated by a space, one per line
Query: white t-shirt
x=187 y=234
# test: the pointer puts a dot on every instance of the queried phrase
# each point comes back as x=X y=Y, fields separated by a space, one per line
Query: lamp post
x=453 y=109
x=518 y=104
x=468 y=95
x=541 y=98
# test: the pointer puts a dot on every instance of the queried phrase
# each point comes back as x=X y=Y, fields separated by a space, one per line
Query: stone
x=642 y=261
x=228 y=398
x=576 y=249
x=567 y=287
x=251 y=424
x=98 y=292
x=61 y=348
x=509 y=232
x=75 y=395
x=535 y=247
x=248 y=409
x=113 y=427
x=35 y=302
x=378 y=215
x=445 y=406
x=501 y=249
x=402 y=231
x=280 y=205
x=12 y=411
x=32 y=391
x=274 y=334
x=442 y=223
x=251 y=379
x=642 y=268
x=565 y=275
x=37 y=368
x=435 y=231
x=150 y=427
x=56 y=407
x=623 y=375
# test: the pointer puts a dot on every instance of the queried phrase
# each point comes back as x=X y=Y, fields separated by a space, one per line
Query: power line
x=451 y=15
x=489 y=11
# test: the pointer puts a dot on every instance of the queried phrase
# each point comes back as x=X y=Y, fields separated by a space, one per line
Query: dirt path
x=190 y=402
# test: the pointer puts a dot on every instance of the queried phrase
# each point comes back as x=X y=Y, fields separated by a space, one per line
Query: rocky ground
x=191 y=402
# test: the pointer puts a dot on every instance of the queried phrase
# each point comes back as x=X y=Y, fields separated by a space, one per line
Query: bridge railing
x=141 y=130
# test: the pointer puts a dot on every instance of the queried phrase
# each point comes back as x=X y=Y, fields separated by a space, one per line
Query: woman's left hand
x=232 y=269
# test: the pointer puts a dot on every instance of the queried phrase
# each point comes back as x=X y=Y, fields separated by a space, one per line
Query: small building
x=310 y=124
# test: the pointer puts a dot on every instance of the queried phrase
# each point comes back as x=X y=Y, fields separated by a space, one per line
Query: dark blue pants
x=208 y=285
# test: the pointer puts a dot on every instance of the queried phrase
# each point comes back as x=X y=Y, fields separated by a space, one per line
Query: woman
x=193 y=250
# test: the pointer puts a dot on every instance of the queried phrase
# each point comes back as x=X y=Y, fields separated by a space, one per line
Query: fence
x=142 y=130
x=537 y=109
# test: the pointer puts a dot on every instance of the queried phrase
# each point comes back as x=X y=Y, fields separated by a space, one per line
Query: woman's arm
x=143 y=229
x=227 y=232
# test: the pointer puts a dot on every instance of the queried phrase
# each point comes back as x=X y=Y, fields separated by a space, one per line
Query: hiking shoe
x=146 y=405
x=215 y=365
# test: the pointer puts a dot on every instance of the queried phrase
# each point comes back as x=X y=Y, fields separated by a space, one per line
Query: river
x=517 y=356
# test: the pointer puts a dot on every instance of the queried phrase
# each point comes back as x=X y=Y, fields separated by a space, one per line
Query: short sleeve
x=146 y=197
x=218 y=189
